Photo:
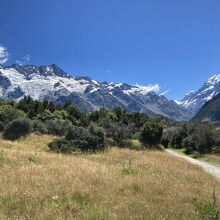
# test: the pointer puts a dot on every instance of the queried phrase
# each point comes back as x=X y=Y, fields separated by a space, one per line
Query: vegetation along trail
x=212 y=169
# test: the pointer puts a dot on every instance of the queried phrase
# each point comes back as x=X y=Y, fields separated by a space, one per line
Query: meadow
x=117 y=184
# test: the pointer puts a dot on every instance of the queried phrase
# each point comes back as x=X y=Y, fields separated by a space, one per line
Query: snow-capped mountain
x=196 y=99
x=52 y=83
x=210 y=111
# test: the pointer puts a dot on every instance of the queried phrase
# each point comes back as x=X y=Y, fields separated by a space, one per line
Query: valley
x=109 y=110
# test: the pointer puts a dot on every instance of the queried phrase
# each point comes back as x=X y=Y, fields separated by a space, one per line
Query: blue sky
x=172 y=43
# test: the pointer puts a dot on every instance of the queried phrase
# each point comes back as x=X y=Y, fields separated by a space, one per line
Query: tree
x=151 y=133
x=203 y=138
x=119 y=113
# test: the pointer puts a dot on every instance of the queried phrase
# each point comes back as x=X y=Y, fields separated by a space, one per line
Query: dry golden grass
x=119 y=184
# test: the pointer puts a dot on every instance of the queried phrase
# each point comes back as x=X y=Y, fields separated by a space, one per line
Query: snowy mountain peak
x=46 y=70
x=190 y=93
x=196 y=99
x=52 y=83
x=214 y=79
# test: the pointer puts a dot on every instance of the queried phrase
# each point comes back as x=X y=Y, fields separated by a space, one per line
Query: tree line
x=193 y=137
x=79 y=131
x=103 y=128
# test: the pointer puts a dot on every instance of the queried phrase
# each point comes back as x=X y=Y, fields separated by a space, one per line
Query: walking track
x=212 y=169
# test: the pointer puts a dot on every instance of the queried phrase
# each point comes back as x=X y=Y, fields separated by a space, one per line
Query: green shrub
x=127 y=144
x=58 y=127
x=8 y=114
x=165 y=142
x=208 y=210
x=119 y=133
x=39 y=127
x=63 y=146
x=110 y=142
x=203 y=137
x=2 y=126
x=151 y=133
x=44 y=116
x=80 y=139
x=92 y=139
x=16 y=129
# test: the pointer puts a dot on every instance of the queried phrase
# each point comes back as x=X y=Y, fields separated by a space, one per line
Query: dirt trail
x=212 y=169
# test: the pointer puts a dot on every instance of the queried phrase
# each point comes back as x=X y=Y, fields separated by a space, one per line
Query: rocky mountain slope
x=210 y=111
x=196 y=99
x=52 y=83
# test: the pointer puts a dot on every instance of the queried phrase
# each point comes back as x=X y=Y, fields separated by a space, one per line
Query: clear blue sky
x=173 y=43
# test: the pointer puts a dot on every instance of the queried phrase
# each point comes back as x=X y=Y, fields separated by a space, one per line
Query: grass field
x=118 y=184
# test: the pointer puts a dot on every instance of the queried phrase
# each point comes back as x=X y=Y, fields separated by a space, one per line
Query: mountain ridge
x=52 y=83
x=210 y=111
x=194 y=100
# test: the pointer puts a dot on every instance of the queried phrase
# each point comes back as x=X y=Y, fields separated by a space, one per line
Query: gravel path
x=212 y=169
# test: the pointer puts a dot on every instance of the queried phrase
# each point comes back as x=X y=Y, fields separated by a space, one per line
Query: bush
x=189 y=145
x=92 y=139
x=2 y=126
x=177 y=135
x=127 y=144
x=17 y=129
x=151 y=133
x=110 y=142
x=8 y=114
x=58 y=127
x=119 y=133
x=203 y=137
x=165 y=142
x=80 y=139
x=39 y=127
x=46 y=115
x=63 y=146
x=208 y=210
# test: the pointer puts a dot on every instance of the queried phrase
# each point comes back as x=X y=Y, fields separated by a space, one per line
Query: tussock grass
x=119 y=184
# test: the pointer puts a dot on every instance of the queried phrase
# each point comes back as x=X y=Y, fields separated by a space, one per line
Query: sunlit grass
x=118 y=184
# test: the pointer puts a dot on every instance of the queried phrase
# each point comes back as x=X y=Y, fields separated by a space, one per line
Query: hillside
x=118 y=184
x=210 y=111
x=194 y=100
x=52 y=83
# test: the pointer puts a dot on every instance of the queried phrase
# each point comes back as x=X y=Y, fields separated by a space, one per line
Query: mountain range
x=196 y=99
x=52 y=83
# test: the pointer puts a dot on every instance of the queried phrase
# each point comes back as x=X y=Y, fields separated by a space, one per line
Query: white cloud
x=149 y=88
x=24 y=60
x=4 y=55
